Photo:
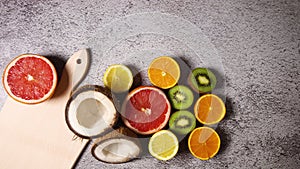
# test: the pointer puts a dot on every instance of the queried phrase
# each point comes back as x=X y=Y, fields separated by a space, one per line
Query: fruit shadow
x=225 y=139
x=138 y=76
x=229 y=109
x=223 y=133
x=183 y=144
x=185 y=70
x=62 y=79
x=59 y=64
x=220 y=86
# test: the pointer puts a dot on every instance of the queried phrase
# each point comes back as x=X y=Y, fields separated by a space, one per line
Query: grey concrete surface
x=259 y=46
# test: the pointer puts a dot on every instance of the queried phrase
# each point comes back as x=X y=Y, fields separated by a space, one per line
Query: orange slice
x=209 y=109
x=164 y=72
x=204 y=143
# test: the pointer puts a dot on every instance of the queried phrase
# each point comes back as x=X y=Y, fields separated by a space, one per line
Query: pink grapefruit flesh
x=146 y=110
x=30 y=79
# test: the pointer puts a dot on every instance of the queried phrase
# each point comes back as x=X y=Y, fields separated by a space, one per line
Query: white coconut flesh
x=116 y=150
x=91 y=113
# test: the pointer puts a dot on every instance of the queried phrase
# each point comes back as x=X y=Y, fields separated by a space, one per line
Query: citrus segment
x=146 y=110
x=118 y=78
x=164 y=72
x=163 y=145
x=209 y=109
x=30 y=79
x=204 y=143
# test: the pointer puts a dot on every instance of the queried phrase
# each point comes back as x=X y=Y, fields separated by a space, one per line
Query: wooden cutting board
x=37 y=136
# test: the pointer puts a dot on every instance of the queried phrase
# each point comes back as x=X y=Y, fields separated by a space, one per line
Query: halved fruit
x=182 y=122
x=118 y=78
x=202 y=80
x=30 y=79
x=209 y=109
x=90 y=111
x=164 y=72
x=181 y=97
x=204 y=143
x=119 y=146
x=163 y=145
x=146 y=110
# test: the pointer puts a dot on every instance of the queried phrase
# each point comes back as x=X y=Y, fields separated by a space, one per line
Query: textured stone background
x=258 y=41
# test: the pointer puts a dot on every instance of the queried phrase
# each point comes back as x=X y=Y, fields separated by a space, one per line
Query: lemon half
x=163 y=145
x=118 y=78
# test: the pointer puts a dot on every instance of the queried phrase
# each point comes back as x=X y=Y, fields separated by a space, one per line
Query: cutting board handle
x=65 y=84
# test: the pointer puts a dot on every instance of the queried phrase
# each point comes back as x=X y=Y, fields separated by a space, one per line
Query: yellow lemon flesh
x=163 y=145
x=118 y=78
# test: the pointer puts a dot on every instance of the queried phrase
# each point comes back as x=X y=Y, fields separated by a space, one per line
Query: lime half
x=163 y=145
x=118 y=78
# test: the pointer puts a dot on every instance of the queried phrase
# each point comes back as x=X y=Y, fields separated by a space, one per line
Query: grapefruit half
x=146 y=110
x=30 y=79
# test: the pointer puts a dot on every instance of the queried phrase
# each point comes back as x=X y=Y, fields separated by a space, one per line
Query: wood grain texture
x=36 y=136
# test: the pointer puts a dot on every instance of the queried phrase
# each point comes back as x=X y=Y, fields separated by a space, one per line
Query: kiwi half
x=182 y=122
x=202 y=80
x=181 y=97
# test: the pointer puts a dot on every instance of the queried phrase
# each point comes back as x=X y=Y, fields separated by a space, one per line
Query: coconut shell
x=96 y=88
x=119 y=133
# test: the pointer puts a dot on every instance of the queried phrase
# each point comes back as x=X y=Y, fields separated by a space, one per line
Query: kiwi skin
x=207 y=75
x=183 y=92
x=182 y=116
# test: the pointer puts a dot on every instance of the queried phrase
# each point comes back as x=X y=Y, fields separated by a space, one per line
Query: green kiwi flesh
x=181 y=97
x=182 y=122
x=202 y=80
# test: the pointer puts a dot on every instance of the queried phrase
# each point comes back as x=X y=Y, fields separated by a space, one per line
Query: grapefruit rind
x=217 y=120
x=132 y=93
x=21 y=100
x=204 y=128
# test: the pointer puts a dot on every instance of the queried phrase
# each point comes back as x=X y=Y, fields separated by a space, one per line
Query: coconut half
x=90 y=111
x=118 y=146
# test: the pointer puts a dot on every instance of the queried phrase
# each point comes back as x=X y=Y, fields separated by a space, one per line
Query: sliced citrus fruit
x=146 y=110
x=163 y=145
x=118 y=78
x=30 y=79
x=204 y=143
x=209 y=109
x=164 y=72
